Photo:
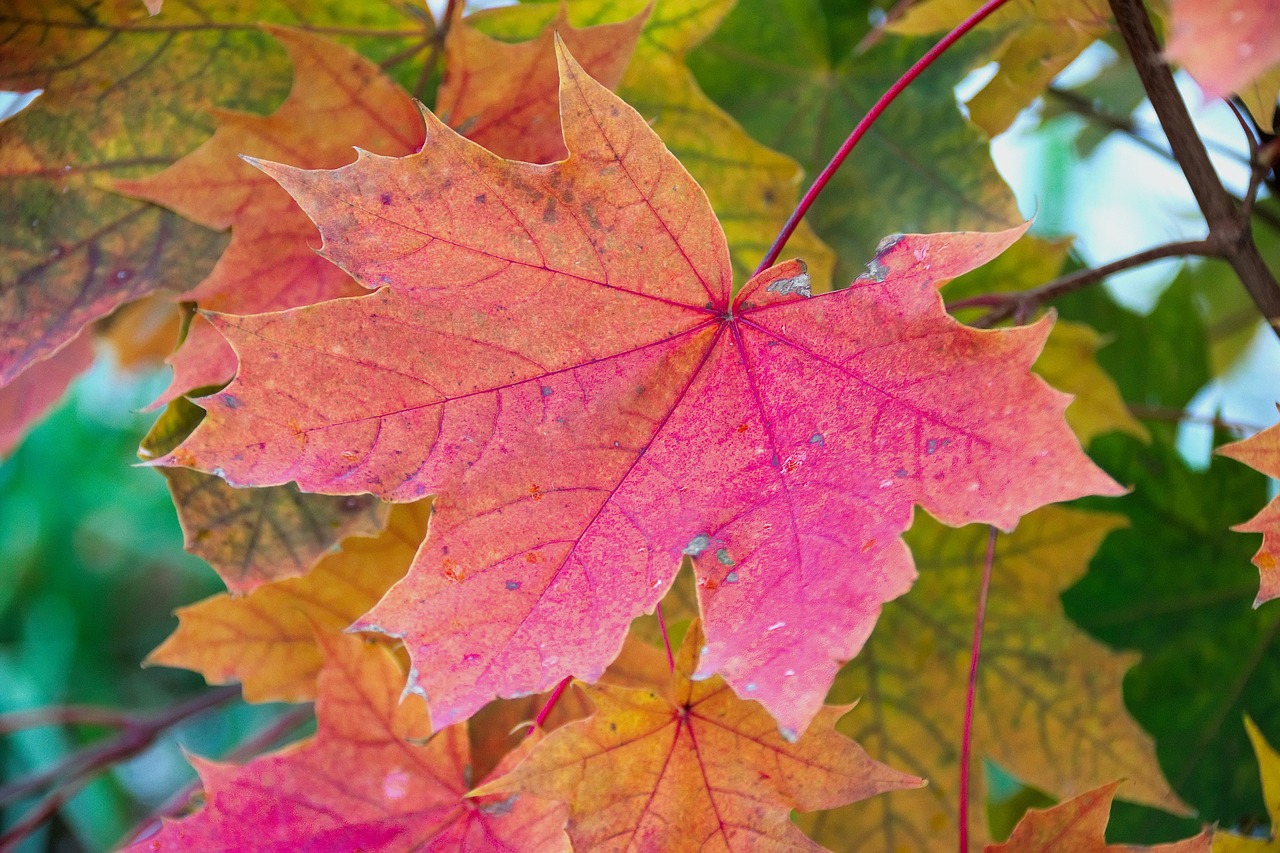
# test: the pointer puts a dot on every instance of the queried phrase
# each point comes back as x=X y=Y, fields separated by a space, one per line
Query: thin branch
x=452 y=12
x=820 y=182
x=63 y=715
x=136 y=735
x=966 y=742
x=1022 y=304
x=1228 y=229
x=1177 y=416
x=251 y=748
x=1088 y=110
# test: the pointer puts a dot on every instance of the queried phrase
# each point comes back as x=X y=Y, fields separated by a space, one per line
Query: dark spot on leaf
x=513 y=585
x=547 y=390
x=124 y=274
x=481 y=199
x=549 y=214
x=386 y=198
x=353 y=503
x=230 y=402
x=901 y=472
x=817 y=438
x=723 y=556
x=732 y=577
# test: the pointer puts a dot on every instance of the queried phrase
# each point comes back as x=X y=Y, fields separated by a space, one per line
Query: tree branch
x=1021 y=304
x=1229 y=230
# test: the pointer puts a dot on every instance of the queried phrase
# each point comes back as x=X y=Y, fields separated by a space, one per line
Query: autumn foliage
x=582 y=527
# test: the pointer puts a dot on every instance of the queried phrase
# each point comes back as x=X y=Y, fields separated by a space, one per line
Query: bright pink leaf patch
x=367 y=781
x=557 y=355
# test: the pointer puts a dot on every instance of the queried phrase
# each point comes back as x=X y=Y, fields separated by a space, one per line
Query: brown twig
x=1022 y=304
x=1229 y=229
x=1177 y=416
x=1088 y=110
x=452 y=12
x=137 y=733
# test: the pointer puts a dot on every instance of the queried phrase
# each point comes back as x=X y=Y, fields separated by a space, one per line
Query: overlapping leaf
x=504 y=96
x=700 y=770
x=124 y=93
x=1262 y=452
x=338 y=99
x=801 y=83
x=1269 y=770
x=777 y=439
x=266 y=640
x=366 y=781
x=751 y=188
x=1037 y=39
x=1078 y=826
x=25 y=400
x=1049 y=700
x=1224 y=44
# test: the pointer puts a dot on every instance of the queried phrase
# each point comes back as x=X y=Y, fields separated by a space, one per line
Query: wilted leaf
x=504 y=96
x=28 y=398
x=751 y=188
x=122 y=94
x=1049 y=705
x=366 y=781
x=266 y=640
x=800 y=84
x=1262 y=452
x=1037 y=39
x=705 y=771
x=1224 y=44
x=1077 y=826
x=778 y=440
x=1269 y=770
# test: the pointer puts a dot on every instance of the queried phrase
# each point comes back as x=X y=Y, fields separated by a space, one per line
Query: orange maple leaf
x=1262 y=452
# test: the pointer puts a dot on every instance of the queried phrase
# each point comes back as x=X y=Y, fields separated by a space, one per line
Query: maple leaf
x=1037 y=39
x=119 y=95
x=26 y=399
x=751 y=188
x=504 y=96
x=366 y=781
x=338 y=99
x=1077 y=826
x=1224 y=44
x=799 y=85
x=1269 y=770
x=779 y=440
x=1049 y=703
x=1262 y=452
x=702 y=769
x=266 y=640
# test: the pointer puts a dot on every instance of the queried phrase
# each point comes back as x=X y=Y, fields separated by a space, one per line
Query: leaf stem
x=966 y=742
x=820 y=182
x=551 y=703
x=666 y=638
x=1229 y=227
x=1021 y=304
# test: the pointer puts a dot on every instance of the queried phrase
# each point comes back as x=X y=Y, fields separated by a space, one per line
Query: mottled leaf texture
x=25 y=400
x=1037 y=39
x=1224 y=44
x=504 y=96
x=252 y=536
x=703 y=770
x=338 y=100
x=1269 y=770
x=367 y=781
x=266 y=640
x=1262 y=452
x=1077 y=826
x=122 y=94
x=751 y=188
x=556 y=354
x=1049 y=706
